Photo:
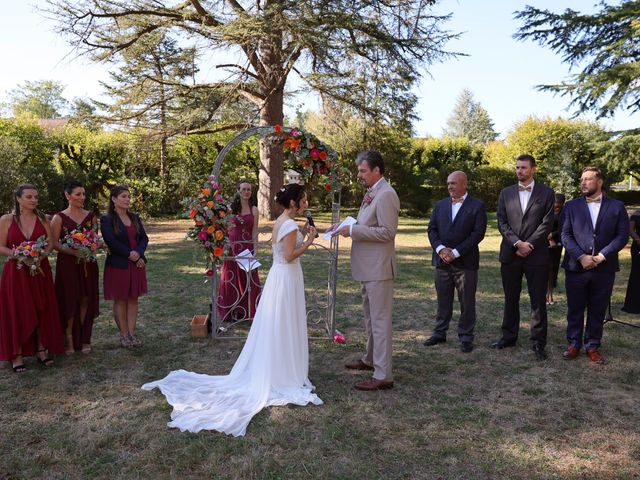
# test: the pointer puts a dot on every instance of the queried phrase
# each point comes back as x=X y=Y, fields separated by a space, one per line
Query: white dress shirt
x=525 y=196
x=594 y=211
x=455 y=208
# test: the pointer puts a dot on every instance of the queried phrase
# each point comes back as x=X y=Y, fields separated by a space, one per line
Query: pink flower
x=212 y=178
x=207 y=244
x=202 y=235
x=314 y=153
x=338 y=337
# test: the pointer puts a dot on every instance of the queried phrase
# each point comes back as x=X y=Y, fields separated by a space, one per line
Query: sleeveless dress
x=272 y=368
x=124 y=283
x=27 y=304
x=75 y=281
x=239 y=292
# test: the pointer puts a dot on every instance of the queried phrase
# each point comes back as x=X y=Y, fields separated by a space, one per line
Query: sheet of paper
x=246 y=261
x=347 y=221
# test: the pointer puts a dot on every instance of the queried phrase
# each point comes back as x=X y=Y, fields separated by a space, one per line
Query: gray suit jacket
x=373 y=252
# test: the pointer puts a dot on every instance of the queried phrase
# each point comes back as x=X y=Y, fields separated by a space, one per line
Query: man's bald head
x=457 y=184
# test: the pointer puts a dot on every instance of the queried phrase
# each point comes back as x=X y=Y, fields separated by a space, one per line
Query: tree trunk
x=271 y=157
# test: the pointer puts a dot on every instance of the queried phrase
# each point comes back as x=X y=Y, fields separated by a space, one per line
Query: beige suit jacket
x=373 y=250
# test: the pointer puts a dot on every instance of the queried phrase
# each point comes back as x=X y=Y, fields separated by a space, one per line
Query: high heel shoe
x=46 y=361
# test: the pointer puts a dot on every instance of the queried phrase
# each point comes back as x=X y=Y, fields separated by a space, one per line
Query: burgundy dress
x=27 y=304
x=125 y=283
x=238 y=297
x=75 y=281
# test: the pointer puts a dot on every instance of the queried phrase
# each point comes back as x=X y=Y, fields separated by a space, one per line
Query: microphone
x=307 y=214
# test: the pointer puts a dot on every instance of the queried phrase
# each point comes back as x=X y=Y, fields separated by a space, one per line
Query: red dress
x=237 y=296
x=125 y=283
x=75 y=281
x=27 y=304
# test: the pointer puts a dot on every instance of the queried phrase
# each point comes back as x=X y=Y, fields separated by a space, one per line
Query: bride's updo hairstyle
x=292 y=191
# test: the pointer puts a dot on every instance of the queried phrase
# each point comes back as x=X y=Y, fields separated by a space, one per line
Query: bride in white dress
x=273 y=367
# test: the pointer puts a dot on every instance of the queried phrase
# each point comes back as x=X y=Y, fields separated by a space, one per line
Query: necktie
x=457 y=200
x=522 y=188
x=594 y=200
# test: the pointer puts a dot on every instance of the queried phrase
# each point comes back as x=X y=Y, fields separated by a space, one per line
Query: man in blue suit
x=595 y=229
x=457 y=225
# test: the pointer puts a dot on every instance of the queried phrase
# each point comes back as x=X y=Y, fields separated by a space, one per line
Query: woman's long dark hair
x=16 y=206
x=115 y=191
x=236 y=203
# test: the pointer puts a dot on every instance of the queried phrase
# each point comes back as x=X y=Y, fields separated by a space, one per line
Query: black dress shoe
x=431 y=341
x=539 y=352
x=502 y=343
x=466 y=347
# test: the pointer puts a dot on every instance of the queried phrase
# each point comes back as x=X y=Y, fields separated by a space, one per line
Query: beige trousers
x=377 y=302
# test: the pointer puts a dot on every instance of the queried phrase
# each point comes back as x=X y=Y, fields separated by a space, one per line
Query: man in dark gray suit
x=525 y=218
x=457 y=225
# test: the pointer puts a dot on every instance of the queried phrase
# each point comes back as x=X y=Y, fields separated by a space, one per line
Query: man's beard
x=589 y=192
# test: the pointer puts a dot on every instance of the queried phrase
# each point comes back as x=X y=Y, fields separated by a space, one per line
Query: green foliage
x=486 y=182
x=26 y=154
x=622 y=154
x=607 y=47
x=470 y=120
x=441 y=156
x=561 y=148
x=42 y=98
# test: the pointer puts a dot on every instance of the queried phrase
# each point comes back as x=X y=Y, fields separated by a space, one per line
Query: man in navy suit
x=457 y=225
x=525 y=218
x=595 y=229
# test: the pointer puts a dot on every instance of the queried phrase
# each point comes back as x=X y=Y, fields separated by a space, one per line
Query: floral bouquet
x=29 y=254
x=307 y=152
x=86 y=241
x=209 y=211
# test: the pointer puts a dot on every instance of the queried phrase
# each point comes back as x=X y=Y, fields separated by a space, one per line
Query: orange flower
x=211 y=229
x=323 y=155
x=192 y=213
x=210 y=204
x=33 y=253
x=219 y=234
x=221 y=213
x=206 y=192
x=292 y=143
x=78 y=236
x=217 y=252
x=27 y=247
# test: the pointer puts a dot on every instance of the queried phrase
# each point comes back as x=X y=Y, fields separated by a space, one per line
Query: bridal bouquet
x=209 y=212
x=86 y=241
x=308 y=153
x=29 y=254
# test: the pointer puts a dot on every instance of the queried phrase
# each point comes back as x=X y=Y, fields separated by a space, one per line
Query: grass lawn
x=488 y=414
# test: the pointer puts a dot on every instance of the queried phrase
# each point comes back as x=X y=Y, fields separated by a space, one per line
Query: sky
x=501 y=72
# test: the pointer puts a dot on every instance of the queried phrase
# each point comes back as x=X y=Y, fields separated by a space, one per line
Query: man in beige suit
x=373 y=263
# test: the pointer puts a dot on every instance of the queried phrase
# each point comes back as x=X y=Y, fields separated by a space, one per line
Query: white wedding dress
x=272 y=368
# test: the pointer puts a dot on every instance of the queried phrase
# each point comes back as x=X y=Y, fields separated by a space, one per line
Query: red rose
x=323 y=155
x=278 y=128
x=327 y=187
x=314 y=153
x=209 y=273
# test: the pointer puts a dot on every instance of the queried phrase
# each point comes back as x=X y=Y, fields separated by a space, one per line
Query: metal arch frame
x=332 y=251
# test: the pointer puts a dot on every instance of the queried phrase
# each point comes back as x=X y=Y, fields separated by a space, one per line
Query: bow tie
x=457 y=200
x=594 y=200
x=522 y=188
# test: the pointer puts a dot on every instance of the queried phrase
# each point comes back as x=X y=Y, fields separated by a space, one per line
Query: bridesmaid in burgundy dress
x=237 y=298
x=29 y=322
x=125 y=277
x=76 y=278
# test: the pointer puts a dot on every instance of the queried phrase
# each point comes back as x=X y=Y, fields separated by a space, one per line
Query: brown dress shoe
x=595 y=356
x=373 y=384
x=358 y=365
x=570 y=353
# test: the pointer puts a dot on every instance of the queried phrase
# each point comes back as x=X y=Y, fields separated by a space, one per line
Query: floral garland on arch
x=311 y=156
x=209 y=212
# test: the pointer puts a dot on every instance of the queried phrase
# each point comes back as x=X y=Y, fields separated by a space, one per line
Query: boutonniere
x=368 y=197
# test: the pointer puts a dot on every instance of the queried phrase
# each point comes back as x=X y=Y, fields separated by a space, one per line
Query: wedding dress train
x=272 y=368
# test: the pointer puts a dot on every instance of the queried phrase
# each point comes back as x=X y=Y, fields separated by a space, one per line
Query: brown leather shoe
x=570 y=353
x=373 y=384
x=358 y=365
x=595 y=356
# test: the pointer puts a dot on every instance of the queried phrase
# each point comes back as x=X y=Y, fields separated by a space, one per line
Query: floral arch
x=306 y=154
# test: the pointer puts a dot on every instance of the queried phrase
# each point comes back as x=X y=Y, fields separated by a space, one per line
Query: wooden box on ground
x=200 y=326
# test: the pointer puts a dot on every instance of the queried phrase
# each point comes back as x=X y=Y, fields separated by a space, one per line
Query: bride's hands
x=311 y=235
